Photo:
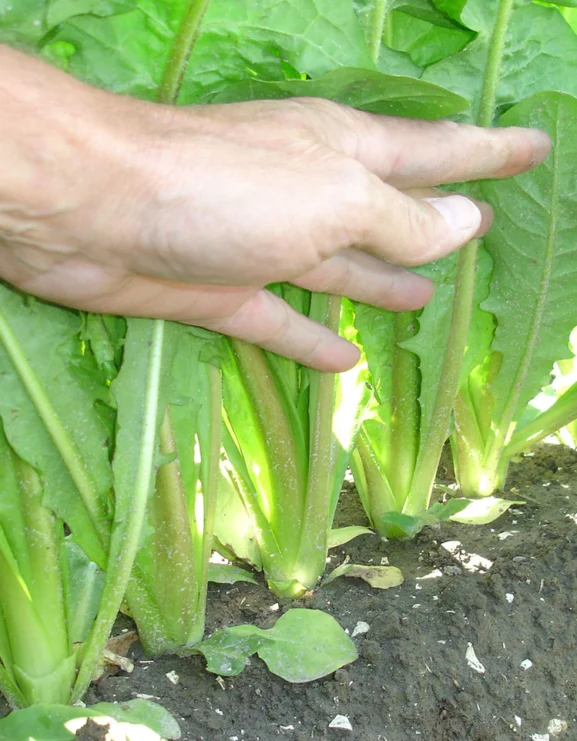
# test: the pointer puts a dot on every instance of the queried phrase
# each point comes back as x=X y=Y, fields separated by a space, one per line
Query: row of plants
x=131 y=449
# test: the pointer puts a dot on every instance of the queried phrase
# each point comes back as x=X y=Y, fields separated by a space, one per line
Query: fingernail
x=459 y=212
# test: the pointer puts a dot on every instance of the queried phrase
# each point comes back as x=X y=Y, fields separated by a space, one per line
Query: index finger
x=409 y=153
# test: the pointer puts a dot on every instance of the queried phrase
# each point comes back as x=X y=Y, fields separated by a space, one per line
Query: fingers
x=247 y=313
x=410 y=153
x=362 y=277
x=406 y=231
x=266 y=320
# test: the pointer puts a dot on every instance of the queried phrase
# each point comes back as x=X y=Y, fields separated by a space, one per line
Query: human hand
x=113 y=205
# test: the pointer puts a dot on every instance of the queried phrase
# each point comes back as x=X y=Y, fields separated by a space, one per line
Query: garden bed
x=412 y=679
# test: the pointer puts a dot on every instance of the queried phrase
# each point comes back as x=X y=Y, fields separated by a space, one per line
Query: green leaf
x=49 y=390
x=425 y=39
x=22 y=22
x=56 y=722
x=303 y=645
x=221 y=573
x=483 y=511
x=60 y=11
x=248 y=38
x=85 y=584
x=227 y=651
x=364 y=89
x=378 y=577
x=307 y=645
x=533 y=244
x=398 y=525
x=343 y=535
x=540 y=54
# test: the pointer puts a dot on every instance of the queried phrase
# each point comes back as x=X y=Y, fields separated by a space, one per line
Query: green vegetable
x=532 y=298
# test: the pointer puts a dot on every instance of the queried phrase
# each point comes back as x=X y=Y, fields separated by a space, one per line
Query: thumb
x=409 y=231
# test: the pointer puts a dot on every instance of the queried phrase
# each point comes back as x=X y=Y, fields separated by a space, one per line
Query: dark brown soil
x=412 y=679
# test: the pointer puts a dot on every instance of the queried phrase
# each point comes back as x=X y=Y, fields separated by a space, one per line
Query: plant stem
x=492 y=73
x=464 y=289
x=210 y=479
x=405 y=409
x=287 y=475
x=450 y=374
x=181 y=51
x=126 y=541
x=562 y=413
x=312 y=552
x=377 y=27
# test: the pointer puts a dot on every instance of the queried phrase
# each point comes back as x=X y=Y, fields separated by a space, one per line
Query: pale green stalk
x=378 y=26
x=312 y=552
x=464 y=290
x=125 y=545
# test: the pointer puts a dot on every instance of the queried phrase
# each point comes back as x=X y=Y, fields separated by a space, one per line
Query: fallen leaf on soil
x=483 y=511
x=114 y=656
x=379 y=577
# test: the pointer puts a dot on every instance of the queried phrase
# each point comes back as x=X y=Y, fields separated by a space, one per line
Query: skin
x=113 y=205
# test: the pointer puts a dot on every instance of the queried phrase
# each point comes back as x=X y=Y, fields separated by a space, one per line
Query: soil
x=413 y=678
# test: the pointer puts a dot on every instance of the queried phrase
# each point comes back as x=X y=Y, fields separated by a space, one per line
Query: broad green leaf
x=426 y=40
x=49 y=391
x=221 y=573
x=136 y=720
x=534 y=248
x=307 y=645
x=22 y=22
x=483 y=511
x=343 y=535
x=227 y=651
x=364 y=89
x=248 y=38
x=303 y=645
x=60 y=11
x=399 y=525
x=85 y=584
x=233 y=527
x=540 y=54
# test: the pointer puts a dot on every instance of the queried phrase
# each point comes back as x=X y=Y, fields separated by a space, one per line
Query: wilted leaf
x=483 y=511
x=379 y=577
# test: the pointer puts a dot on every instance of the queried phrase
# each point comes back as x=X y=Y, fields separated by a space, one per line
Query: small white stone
x=287 y=728
x=557 y=726
x=473 y=661
x=506 y=534
x=218 y=712
x=526 y=664
x=342 y=722
x=509 y=597
x=275 y=607
x=417 y=605
x=361 y=628
x=173 y=677
x=540 y=737
x=518 y=721
x=384 y=561
x=220 y=682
